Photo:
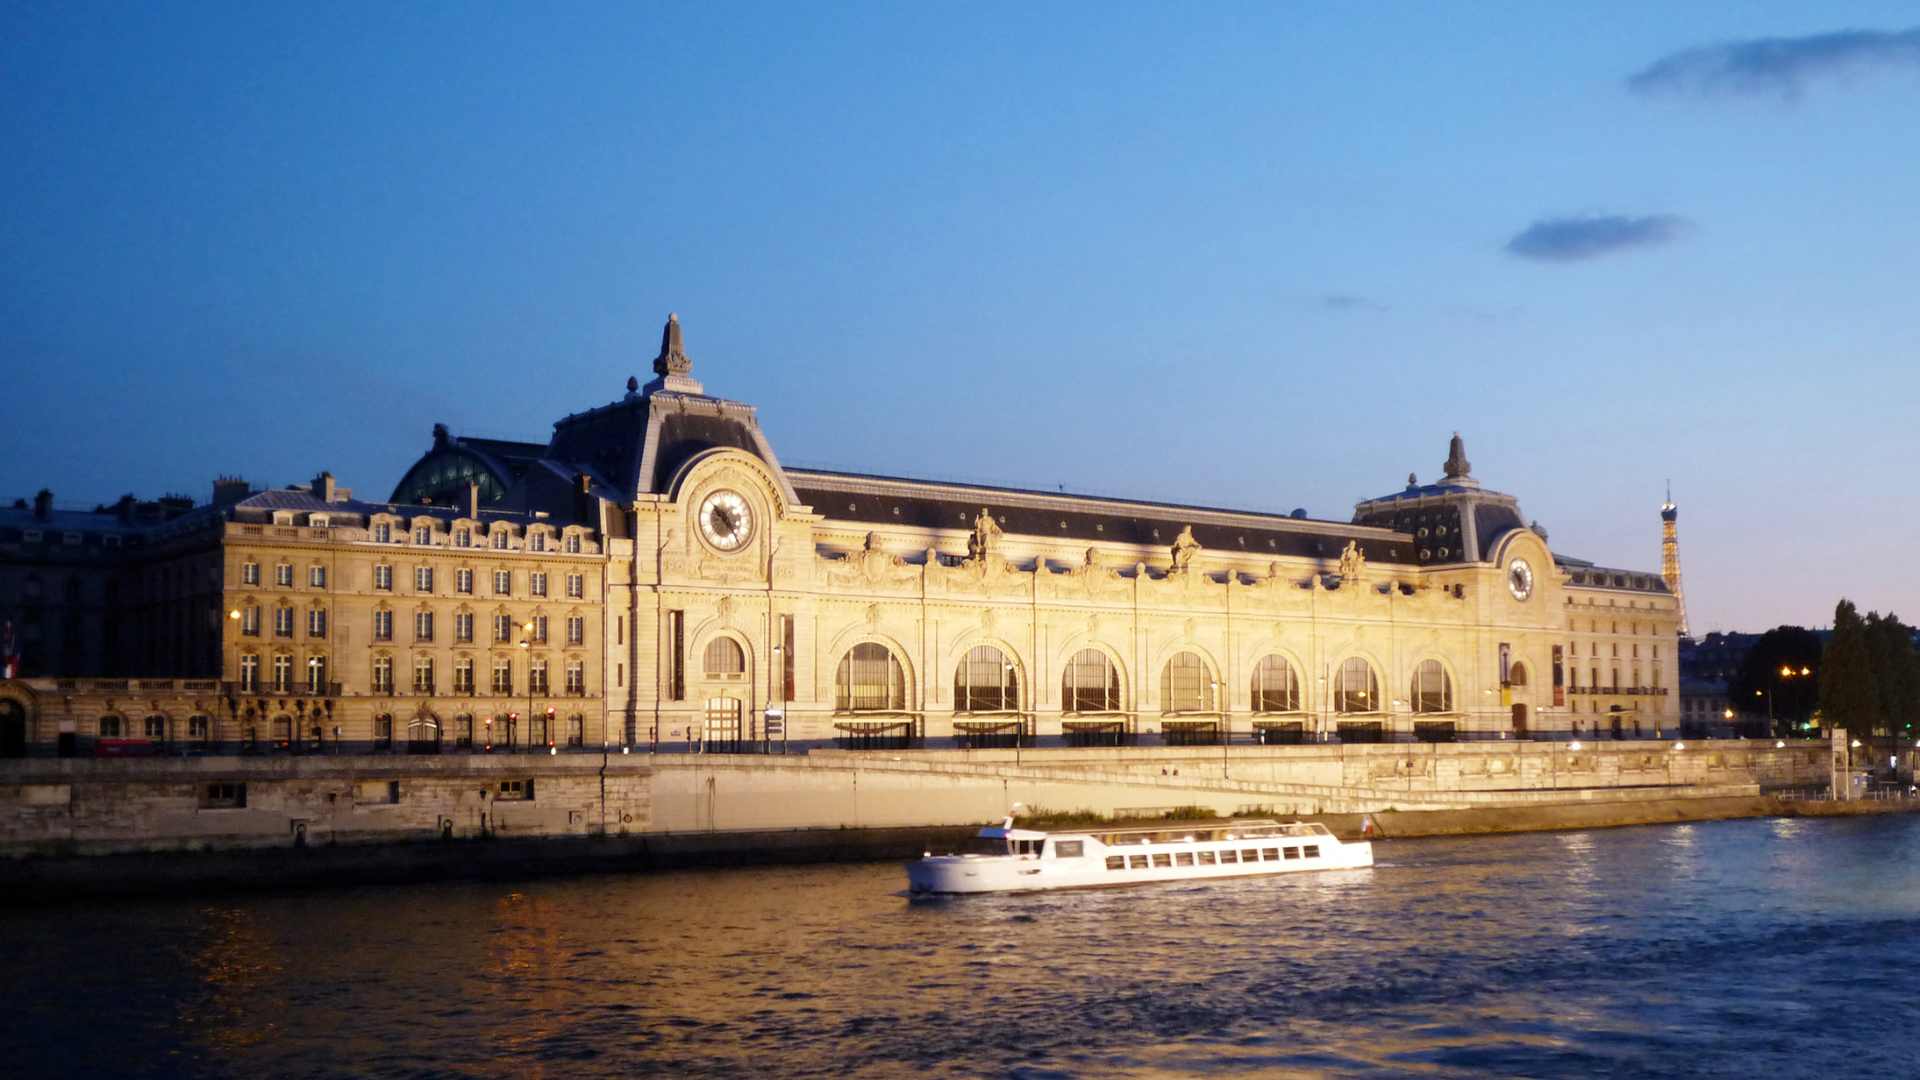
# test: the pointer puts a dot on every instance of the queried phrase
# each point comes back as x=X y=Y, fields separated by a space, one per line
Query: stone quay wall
x=83 y=807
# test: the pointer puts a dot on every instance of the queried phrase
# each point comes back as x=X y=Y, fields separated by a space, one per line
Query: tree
x=1848 y=697
x=1896 y=670
x=1759 y=682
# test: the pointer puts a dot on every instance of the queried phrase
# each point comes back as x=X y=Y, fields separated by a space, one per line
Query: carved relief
x=872 y=567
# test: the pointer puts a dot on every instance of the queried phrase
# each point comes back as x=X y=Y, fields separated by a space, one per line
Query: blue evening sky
x=1258 y=255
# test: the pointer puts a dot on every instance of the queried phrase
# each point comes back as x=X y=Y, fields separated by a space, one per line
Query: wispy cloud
x=1782 y=66
x=1568 y=239
x=1350 y=302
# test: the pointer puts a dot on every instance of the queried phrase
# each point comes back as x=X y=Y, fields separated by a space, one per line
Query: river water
x=1735 y=949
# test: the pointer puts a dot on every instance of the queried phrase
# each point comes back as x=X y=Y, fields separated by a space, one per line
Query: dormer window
x=382 y=532
x=463 y=538
x=499 y=540
x=423 y=534
x=537 y=542
x=573 y=543
x=318 y=521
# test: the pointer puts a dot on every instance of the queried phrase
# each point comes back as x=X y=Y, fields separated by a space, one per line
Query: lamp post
x=1785 y=673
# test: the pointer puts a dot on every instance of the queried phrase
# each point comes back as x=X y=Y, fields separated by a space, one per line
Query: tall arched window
x=1186 y=685
x=985 y=682
x=1276 y=688
x=724 y=657
x=1432 y=690
x=1517 y=675
x=870 y=679
x=1355 y=690
x=1091 y=684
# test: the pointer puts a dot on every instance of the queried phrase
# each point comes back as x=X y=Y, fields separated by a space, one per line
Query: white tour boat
x=1006 y=859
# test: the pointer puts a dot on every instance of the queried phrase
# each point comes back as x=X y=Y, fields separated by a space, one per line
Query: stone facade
x=719 y=590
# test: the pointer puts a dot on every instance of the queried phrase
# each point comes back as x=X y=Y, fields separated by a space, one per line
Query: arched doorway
x=13 y=730
x=423 y=734
x=1517 y=689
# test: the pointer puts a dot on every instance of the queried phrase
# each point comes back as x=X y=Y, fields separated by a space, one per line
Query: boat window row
x=871 y=678
x=1229 y=857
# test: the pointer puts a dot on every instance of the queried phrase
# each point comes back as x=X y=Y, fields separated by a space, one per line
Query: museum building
x=653 y=576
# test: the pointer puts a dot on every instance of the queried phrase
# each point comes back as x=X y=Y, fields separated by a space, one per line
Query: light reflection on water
x=1708 y=949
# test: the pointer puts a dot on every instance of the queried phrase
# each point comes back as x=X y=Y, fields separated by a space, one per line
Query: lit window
x=1432 y=689
x=1090 y=684
x=869 y=679
x=1186 y=685
x=1276 y=688
x=1355 y=690
x=985 y=682
x=724 y=659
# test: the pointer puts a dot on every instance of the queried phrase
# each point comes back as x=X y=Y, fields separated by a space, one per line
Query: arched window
x=110 y=727
x=1186 y=685
x=1355 y=690
x=725 y=658
x=870 y=679
x=156 y=727
x=985 y=682
x=1091 y=684
x=1517 y=675
x=1275 y=686
x=1432 y=690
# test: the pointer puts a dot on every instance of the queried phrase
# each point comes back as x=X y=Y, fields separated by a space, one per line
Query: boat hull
x=963 y=874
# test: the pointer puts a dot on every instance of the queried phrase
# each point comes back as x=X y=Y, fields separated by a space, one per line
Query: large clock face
x=1520 y=579
x=726 y=520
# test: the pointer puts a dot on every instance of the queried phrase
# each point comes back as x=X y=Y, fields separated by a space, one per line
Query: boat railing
x=1210 y=831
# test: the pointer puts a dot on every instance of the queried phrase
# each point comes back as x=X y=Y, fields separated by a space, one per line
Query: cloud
x=1569 y=239
x=1350 y=302
x=1782 y=66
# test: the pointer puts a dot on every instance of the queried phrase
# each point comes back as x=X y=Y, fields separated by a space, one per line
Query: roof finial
x=1457 y=466
x=633 y=385
x=673 y=356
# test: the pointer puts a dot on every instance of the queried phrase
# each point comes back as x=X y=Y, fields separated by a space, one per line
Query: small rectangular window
x=1069 y=849
x=1250 y=855
x=512 y=790
x=1206 y=858
x=1293 y=853
x=1116 y=862
x=1136 y=862
x=1270 y=854
x=1313 y=851
x=1183 y=858
x=1161 y=858
x=1229 y=857
x=225 y=795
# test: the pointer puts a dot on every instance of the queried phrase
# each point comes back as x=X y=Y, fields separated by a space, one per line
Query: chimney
x=473 y=500
x=323 y=487
x=228 y=490
x=43 y=504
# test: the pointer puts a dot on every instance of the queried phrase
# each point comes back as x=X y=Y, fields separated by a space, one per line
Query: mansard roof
x=871 y=499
